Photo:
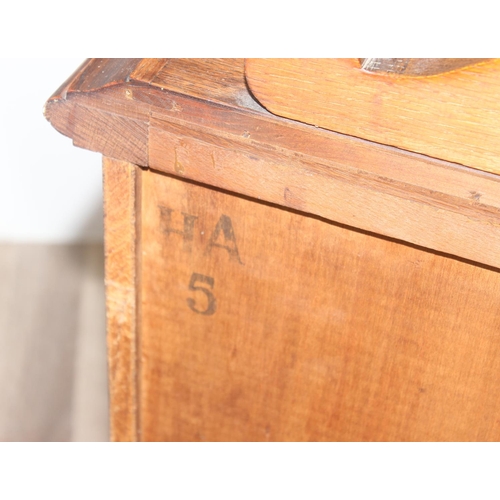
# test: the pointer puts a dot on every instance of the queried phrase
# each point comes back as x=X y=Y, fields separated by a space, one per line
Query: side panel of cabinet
x=260 y=323
x=122 y=246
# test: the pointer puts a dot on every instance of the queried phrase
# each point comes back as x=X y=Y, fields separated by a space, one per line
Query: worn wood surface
x=416 y=67
x=270 y=280
x=121 y=180
x=223 y=138
x=429 y=217
x=260 y=323
x=454 y=116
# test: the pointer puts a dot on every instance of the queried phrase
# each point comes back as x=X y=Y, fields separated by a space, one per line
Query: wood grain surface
x=121 y=278
x=260 y=323
x=431 y=217
x=223 y=140
x=271 y=280
x=454 y=116
x=416 y=67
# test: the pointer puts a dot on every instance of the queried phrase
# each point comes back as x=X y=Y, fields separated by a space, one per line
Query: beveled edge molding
x=410 y=197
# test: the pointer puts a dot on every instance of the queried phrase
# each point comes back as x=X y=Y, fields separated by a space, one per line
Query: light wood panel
x=260 y=323
x=454 y=116
x=120 y=240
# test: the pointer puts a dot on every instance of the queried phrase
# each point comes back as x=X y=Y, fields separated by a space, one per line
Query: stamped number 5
x=204 y=284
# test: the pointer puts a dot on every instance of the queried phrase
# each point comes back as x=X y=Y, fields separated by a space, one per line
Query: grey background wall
x=53 y=380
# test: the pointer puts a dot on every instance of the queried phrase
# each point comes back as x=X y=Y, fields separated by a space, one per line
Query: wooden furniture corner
x=330 y=274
